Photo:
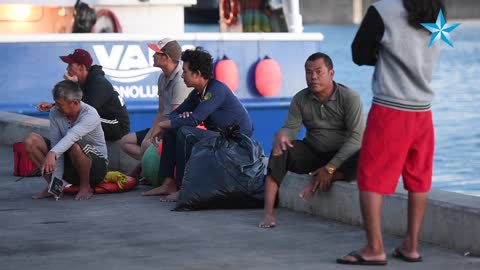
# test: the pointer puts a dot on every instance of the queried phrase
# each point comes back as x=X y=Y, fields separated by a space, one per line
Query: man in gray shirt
x=333 y=117
x=172 y=91
x=79 y=152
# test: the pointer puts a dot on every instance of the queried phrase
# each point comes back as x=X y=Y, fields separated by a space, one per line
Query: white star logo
x=440 y=29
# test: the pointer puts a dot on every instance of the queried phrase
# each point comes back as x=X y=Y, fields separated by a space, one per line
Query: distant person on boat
x=172 y=91
x=333 y=116
x=255 y=16
x=212 y=103
x=399 y=139
x=98 y=92
x=79 y=151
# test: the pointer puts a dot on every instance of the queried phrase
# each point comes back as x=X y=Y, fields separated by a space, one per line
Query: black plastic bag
x=85 y=18
x=224 y=172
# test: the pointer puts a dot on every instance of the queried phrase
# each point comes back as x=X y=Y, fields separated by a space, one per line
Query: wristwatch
x=330 y=168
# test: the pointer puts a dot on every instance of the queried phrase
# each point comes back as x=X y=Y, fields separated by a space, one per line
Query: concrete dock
x=129 y=231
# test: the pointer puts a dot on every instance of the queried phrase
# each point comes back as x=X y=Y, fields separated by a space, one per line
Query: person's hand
x=156 y=134
x=44 y=106
x=280 y=143
x=321 y=179
x=48 y=165
x=185 y=114
x=66 y=76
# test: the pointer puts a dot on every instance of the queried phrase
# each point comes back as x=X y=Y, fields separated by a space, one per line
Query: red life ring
x=231 y=11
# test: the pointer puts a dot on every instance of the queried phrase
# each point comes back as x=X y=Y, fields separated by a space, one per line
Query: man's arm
x=53 y=162
x=212 y=101
x=366 y=42
x=87 y=123
x=292 y=124
x=354 y=125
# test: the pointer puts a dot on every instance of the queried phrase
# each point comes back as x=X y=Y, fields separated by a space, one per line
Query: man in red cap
x=98 y=92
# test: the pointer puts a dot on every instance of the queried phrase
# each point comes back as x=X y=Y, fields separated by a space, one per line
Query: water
x=456 y=117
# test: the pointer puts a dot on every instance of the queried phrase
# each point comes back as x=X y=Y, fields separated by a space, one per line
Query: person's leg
x=129 y=145
x=299 y=159
x=271 y=190
x=82 y=165
x=417 y=179
x=167 y=165
x=36 y=148
x=187 y=137
x=417 y=205
x=132 y=144
x=382 y=156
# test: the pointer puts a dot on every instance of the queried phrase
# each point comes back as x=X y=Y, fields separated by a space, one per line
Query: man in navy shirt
x=212 y=104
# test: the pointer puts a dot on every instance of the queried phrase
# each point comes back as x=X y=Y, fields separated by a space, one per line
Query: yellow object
x=116 y=177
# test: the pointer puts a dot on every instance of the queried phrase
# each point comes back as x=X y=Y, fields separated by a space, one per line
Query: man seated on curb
x=79 y=152
x=333 y=117
x=212 y=103
x=171 y=92
x=97 y=91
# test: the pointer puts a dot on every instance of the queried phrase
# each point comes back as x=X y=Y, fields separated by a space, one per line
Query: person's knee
x=128 y=139
x=75 y=152
x=33 y=139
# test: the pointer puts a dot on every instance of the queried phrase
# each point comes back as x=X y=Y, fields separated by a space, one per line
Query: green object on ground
x=151 y=165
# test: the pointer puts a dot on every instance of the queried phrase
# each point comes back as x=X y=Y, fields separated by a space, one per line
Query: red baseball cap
x=78 y=56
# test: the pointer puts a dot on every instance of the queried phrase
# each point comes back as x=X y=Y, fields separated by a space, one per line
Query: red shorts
x=396 y=143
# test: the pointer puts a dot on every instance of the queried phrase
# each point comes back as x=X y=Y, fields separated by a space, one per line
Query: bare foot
x=171 y=198
x=84 y=194
x=42 y=195
x=268 y=222
x=166 y=188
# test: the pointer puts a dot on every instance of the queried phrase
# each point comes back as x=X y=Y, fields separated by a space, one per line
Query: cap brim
x=154 y=47
x=67 y=59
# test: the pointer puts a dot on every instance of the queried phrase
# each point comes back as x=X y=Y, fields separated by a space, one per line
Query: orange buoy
x=226 y=71
x=268 y=77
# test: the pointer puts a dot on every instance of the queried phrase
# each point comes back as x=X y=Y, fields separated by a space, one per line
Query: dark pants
x=302 y=159
x=177 y=148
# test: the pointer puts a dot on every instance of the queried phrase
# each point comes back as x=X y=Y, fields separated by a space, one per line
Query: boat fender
x=268 y=77
x=226 y=71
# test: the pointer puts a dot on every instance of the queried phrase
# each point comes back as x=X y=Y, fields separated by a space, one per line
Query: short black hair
x=200 y=60
x=319 y=55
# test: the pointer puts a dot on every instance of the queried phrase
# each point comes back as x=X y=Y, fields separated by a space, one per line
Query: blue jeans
x=177 y=148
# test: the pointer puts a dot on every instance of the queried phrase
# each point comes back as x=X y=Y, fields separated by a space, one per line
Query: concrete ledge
x=14 y=127
x=452 y=219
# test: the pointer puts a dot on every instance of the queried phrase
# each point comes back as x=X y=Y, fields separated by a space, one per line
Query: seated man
x=171 y=92
x=97 y=91
x=79 y=152
x=212 y=103
x=333 y=117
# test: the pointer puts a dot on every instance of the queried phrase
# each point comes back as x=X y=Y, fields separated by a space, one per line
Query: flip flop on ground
x=359 y=260
x=396 y=253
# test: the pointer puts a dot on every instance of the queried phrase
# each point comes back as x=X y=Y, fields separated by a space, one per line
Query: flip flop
x=360 y=260
x=396 y=253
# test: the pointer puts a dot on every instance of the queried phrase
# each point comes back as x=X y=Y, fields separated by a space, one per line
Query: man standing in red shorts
x=399 y=138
